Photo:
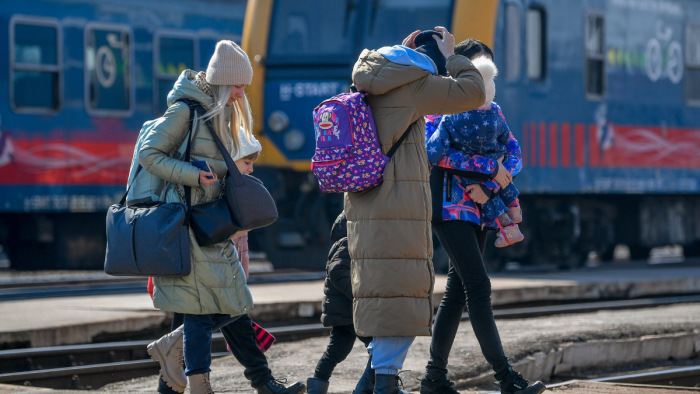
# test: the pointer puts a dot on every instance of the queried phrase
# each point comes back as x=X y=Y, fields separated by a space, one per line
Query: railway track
x=92 y=366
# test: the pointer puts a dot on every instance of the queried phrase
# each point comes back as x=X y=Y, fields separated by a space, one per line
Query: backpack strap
x=398 y=143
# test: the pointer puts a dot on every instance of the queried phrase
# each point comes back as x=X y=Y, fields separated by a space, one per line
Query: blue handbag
x=148 y=239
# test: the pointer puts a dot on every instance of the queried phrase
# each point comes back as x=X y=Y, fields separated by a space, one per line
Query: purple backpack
x=348 y=157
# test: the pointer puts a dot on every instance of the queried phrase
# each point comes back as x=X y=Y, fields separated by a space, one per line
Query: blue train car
x=79 y=79
x=603 y=95
x=604 y=98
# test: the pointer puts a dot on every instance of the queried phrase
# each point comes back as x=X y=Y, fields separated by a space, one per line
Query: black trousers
x=341 y=341
x=240 y=337
x=467 y=284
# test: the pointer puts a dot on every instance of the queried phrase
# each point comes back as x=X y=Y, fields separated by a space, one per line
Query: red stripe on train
x=565 y=145
x=543 y=145
x=613 y=146
x=533 y=144
x=593 y=147
x=579 y=145
x=43 y=162
x=553 y=145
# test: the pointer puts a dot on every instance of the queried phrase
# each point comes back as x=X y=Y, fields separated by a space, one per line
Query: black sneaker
x=514 y=383
x=440 y=385
x=274 y=386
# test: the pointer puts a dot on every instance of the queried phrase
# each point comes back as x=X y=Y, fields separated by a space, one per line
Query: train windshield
x=405 y=16
x=307 y=31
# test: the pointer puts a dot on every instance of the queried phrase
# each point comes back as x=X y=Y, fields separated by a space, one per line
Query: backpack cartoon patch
x=348 y=157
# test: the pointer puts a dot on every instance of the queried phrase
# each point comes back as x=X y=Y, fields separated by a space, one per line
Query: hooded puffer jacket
x=217 y=283
x=389 y=233
x=337 y=290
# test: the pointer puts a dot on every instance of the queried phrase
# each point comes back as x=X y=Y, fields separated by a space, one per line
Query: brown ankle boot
x=167 y=351
x=199 y=384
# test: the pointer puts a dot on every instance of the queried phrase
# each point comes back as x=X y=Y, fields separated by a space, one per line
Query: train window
x=313 y=31
x=512 y=42
x=35 y=65
x=535 y=41
x=107 y=70
x=595 y=55
x=406 y=16
x=173 y=53
x=692 y=64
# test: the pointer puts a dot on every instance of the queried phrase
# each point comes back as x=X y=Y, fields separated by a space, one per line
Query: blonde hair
x=240 y=117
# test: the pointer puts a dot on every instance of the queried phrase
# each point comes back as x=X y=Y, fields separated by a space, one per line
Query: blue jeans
x=498 y=204
x=389 y=353
x=240 y=337
x=197 y=340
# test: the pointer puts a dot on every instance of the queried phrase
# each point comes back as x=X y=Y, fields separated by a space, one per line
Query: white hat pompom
x=488 y=72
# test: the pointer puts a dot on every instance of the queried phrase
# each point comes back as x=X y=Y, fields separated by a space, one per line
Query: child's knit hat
x=229 y=65
x=246 y=145
x=488 y=72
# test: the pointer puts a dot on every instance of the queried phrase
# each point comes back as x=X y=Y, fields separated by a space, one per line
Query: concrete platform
x=540 y=348
x=76 y=320
x=545 y=348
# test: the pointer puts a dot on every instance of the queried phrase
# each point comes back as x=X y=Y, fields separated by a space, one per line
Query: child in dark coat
x=337 y=313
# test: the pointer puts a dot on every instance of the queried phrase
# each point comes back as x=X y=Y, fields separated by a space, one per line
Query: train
x=603 y=96
x=79 y=80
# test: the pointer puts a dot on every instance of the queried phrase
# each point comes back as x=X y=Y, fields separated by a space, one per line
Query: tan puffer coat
x=389 y=233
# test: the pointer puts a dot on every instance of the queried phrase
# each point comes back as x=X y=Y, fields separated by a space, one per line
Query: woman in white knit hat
x=215 y=293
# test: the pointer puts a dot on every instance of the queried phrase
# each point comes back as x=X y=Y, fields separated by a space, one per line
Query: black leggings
x=467 y=283
x=340 y=345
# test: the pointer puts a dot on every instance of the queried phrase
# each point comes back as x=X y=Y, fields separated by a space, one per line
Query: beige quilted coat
x=389 y=233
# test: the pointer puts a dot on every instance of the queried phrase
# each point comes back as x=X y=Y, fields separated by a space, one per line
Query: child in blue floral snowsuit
x=484 y=136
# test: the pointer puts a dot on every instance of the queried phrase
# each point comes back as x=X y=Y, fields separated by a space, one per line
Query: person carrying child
x=337 y=313
x=458 y=223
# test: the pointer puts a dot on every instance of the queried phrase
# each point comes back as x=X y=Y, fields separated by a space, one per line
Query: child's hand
x=476 y=194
